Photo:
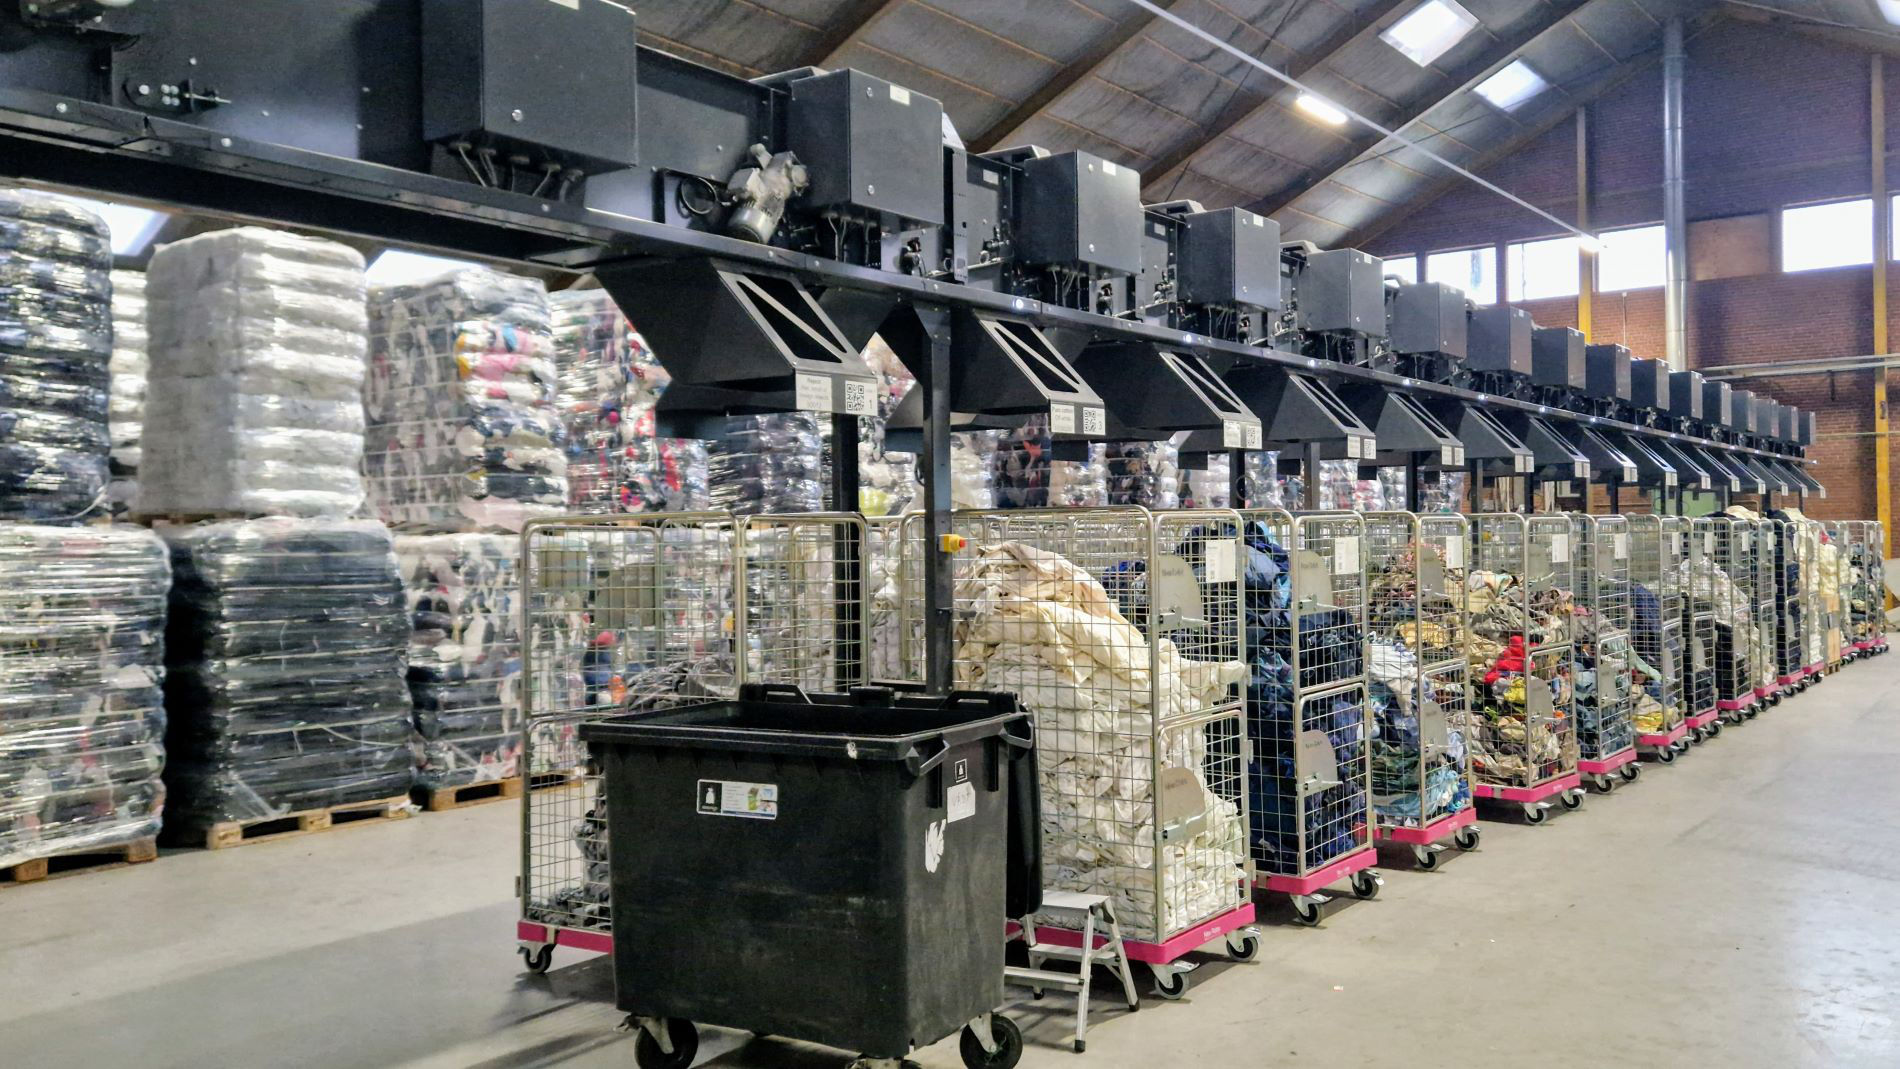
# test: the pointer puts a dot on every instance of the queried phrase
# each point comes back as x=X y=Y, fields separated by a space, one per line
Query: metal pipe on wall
x=1675 y=223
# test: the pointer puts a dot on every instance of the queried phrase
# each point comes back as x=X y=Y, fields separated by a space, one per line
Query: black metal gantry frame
x=122 y=153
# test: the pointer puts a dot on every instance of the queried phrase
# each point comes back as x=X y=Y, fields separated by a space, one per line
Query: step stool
x=1093 y=915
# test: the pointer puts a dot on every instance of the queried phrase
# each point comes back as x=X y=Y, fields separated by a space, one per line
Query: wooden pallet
x=74 y=862
x=270 y=829
x=440 y=799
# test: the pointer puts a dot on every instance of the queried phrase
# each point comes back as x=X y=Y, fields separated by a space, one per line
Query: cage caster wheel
x=1603 y=783
x=538 y=958
x=1572 y=799
x=1630 y=771
x=1467 y=837
x=1007 y=1038
x=1366 y=884
x=1534 y=813
x=1714 y=728
x=1667 y=755
x=1173 y=985
x=680 y=1035
x=1243 y=946
x=1424 y=857
x=1305 y=912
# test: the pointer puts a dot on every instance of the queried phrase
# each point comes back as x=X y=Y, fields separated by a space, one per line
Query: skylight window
x=1320 y=109
x=398 y=267
x=1513 y=85
x=132 y=228
x=1431 y=29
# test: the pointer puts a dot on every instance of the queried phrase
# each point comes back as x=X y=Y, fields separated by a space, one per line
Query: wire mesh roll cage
x=1142 y=769
x=1524 y=747
x=1854 y=541
x=1705 y=577
x=1728 y=546
x=1307 y=716
x=1658 y=548
x=1417 y=623
x=624 y=613
x=1766 y=607
x=1601 y=641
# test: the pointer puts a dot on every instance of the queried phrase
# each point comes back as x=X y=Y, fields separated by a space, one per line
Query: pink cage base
x=1438 y=829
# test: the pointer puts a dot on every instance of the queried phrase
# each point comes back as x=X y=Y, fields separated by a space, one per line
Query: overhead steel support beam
x=1466 y=79
x=1243 y=108
x=1813 y=28
x=1084 y=67
x=849 y=25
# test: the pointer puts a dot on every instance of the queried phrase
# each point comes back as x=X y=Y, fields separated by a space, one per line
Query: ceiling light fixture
x=1320 y=109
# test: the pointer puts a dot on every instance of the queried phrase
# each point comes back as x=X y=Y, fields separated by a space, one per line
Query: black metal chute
x=1004 y=370
x=1691 y=471
x=1802 y=482
x=1554 y=455
x=1406 y=432
x=1298 y=409
x=1724 y=472
x=1486 y=441
x=1651 y=469
x=1152 y=392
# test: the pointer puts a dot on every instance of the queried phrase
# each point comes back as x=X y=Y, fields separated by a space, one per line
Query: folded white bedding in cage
x=256 y=362
x=1044 y=629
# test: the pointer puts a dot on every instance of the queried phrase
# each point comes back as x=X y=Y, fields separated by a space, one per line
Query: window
x=1631 y=259
x=1513 y=85
x=132 y=229
x=1430 y=30
x=398 y=267
x=1405 y=267
x=1475 y=271
x=1819 y=236
x=1539 y=270
x=1893 y=217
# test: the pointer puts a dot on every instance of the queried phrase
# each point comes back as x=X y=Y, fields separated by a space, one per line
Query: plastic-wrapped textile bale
x=1266 y=487
x=1447 y=494
x=973 y=469
x=888 y=483
x=609 y=384
x=1028 y=476
x=1143 y=473
x=285 y=685
x=772 y=463
x=462 y=432
x=1212 y=487
x=128 y=367
x=464 y=601
x=82 y=716
x=254 y=400
x=55 y=347
x=1340 y=487
x=1306 y=701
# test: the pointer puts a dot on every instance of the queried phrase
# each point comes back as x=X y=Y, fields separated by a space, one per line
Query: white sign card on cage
x=1346 y=555
x=1223 y=560
x=1454 y=552
x=1620 y=546
x=1708 y=543
x=1560 y=548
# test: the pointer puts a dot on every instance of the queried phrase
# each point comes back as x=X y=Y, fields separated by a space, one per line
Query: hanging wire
x=1590 y=240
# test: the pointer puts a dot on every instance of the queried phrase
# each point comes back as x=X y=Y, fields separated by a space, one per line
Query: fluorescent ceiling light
x=1432 y=28
x=1320 y=109
x=132 y=228
x=397 y=267
x=1890 y=9
x=1513 y=85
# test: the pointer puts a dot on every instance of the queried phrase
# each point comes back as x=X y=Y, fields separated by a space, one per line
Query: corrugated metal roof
x=1108 y=77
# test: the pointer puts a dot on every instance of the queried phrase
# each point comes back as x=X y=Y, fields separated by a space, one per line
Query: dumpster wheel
x=1004 y=1035
x=680 y=1035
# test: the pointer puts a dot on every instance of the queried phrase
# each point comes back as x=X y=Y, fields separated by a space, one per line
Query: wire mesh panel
x=1417 y=673
x=802 y=599
x=1767 y=607
x=1729 y=547
x=1603 y=673
x=619 y=613
x=1791 y=617
x=1877 y=579
x=885 y=592
x=1658 y=548
x=1121 y=631
x=1519 y=652
x=1847 y=536
x=1706 y=578
x=1867 y=601
x=1310 y=779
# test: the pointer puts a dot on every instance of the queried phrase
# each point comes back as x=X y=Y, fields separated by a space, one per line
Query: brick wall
x=1772 y=119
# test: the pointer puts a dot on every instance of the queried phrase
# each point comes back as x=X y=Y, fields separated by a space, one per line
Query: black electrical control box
x=1557 y=358
x=1428 y=317
x=1717 y=404
x=1075 y=208
x=1229 y=256
x=869 y=145
x=553 y=81
x=1341 y=291
x=1499 y=340
x=1742 y=411
x=1687 y=391
x=1805 y=424
x=1607 y=372
x=1789 y=424
x=1649 y=384
x=1767 y=417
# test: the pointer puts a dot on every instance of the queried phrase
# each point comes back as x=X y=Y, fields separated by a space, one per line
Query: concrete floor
x=1740 y=908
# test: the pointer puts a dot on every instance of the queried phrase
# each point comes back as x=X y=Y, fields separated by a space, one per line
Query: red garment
x=1511 y=660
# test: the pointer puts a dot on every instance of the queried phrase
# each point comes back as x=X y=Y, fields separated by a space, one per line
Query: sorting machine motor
x=1427 y=331
x=1498 y=352
x=1334 y=304
x=1559 y=368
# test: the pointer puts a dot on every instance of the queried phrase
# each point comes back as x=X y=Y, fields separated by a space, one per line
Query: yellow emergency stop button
x=951 y=542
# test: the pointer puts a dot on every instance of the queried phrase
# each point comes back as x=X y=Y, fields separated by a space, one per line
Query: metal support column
x=939 y=594
x=1586 y=259
x=1414 y=490
x=1237 y=479
x=1311 y=467
x=1675 y=223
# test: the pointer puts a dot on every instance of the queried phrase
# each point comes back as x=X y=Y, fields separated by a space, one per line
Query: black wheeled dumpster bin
x=829 y=868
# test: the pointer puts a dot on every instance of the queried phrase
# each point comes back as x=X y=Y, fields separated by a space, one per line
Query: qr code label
x=857 y=398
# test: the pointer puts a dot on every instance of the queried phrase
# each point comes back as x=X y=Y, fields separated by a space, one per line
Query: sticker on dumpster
x=731 y=798
x=962 y=800
x=933 y=844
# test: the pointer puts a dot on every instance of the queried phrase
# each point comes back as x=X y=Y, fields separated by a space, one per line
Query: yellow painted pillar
x=1883 y=242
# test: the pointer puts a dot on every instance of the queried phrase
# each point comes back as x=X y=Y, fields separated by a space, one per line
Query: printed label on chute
x=1062 y=419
